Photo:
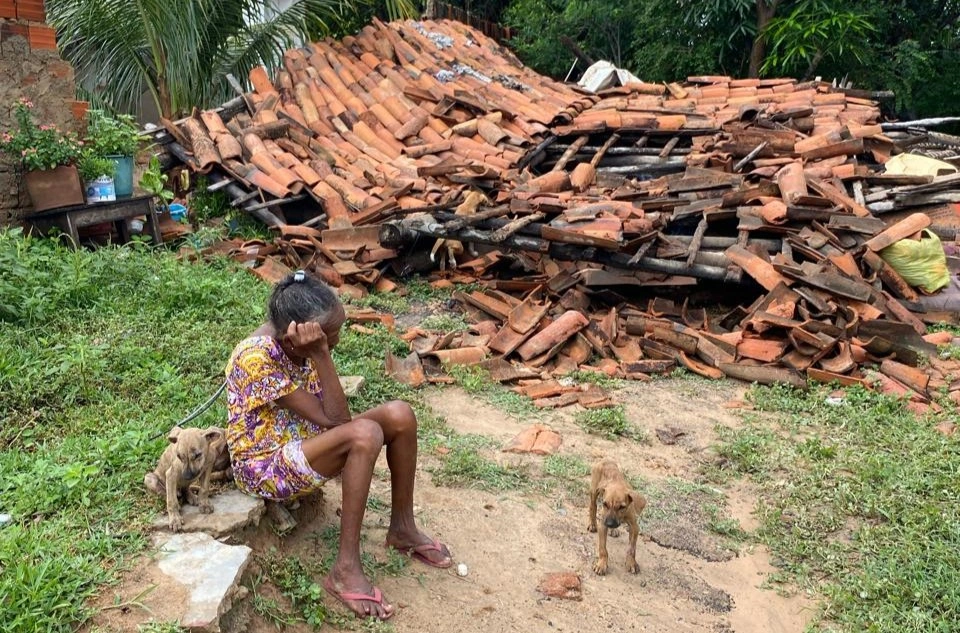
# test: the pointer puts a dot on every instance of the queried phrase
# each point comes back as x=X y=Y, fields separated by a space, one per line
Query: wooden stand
x=70 y=219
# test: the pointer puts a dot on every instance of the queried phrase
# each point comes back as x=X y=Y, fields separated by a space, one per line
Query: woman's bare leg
x=399 y=425
x=350 y=450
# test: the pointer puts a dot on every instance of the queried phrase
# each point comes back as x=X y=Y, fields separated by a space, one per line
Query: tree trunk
x=766 y=10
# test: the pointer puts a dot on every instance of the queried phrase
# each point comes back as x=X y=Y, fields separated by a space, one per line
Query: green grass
x=444 y=323
x=861 y=502
x=477 y=382
x=101 y=350
x=609 y=422
x=298 y=581
x=464 y=466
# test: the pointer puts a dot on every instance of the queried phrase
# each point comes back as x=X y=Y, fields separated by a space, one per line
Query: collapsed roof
x=380 y=136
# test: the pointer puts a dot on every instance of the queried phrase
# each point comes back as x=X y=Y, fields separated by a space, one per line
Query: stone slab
x=232 y=510
x=208 y=570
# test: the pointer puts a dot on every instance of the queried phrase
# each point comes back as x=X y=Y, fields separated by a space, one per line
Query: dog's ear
x=634 y=497
x=172 y=436
x=213 y=434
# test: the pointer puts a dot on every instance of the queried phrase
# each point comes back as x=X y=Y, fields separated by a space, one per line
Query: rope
x=196 y=412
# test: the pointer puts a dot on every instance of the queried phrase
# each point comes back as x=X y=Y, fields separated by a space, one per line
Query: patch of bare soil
x=690 y=578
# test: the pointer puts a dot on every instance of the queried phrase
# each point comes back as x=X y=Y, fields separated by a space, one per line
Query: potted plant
x=97 y=174
x=117 y=138
x=47 y=156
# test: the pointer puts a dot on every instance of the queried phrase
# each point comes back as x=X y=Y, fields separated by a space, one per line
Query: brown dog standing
x=192 y=454
x=620 y=505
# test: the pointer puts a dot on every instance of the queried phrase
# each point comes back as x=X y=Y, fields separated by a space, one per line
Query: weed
x=477 y=382
x=724 y=526
x=609 y=422
x=161 y=627
x=595 y=377
x=465 y=467
x=569 y=472
x=444 y=323
x=206 y=204
x=390 y=302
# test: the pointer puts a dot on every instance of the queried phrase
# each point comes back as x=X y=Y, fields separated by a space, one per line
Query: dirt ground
x=690 y=579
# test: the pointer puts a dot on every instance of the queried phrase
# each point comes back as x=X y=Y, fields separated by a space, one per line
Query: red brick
x=30 y=10
x=8 y=9
x=42 y=38
x=79 y=109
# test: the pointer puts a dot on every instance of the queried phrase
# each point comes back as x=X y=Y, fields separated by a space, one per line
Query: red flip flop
x=420 y=553
x=376 y=597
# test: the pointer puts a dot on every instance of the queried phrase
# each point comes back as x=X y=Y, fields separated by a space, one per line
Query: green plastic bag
x=922 y=263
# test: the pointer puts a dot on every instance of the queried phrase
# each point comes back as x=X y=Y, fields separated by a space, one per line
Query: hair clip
x=299 y=276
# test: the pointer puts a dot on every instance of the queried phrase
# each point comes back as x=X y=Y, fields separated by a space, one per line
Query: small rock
x=564 y=585
x=352 y=385
x=462 y=570
x=5 y=519
x=946 y=428
x=670 y=434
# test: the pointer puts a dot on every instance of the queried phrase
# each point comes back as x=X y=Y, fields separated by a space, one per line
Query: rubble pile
x=420 y=145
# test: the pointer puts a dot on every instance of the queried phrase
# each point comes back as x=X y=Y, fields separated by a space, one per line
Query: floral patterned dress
x=264 y=438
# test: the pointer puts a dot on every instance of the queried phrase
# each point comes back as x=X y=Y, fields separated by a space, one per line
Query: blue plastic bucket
x=123 y=178
x=178 y=212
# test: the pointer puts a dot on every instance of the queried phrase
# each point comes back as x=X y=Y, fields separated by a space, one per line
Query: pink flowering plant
x=38 y=147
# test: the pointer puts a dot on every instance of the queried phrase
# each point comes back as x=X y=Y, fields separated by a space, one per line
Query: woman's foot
x=420 y=546
x=356 y=592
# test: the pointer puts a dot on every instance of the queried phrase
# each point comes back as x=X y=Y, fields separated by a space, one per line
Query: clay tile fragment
x=564 y=585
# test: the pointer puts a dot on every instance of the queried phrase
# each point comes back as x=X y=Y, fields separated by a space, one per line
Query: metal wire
x=196 y=412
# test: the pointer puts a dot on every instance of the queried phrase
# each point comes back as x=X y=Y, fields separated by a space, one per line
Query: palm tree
x=180 y=51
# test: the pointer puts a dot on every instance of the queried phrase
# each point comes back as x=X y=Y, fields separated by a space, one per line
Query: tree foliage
x=180 y=51
x=901 y=45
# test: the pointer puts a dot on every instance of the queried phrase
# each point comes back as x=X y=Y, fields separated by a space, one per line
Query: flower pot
x=101 y=190
x=123 y=176
x=54 y=188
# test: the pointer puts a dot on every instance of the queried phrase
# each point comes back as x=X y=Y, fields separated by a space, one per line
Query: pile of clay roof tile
x=420 y=136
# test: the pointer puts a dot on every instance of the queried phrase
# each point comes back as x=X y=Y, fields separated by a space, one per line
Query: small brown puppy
x=620 y=505
x=192 y=454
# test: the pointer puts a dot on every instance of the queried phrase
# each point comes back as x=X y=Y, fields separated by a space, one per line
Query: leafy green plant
x=180 y=55
x=92 y=166
x=38 y=147
x=154 y=181
x=206 y=204
x=108 y=135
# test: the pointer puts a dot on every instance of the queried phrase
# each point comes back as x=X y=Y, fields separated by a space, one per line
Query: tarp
x=603 y=75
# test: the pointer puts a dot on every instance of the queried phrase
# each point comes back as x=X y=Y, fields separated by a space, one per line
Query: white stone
x=209 y=572
x=352 y=385
x=232 y=510
x=462 y=570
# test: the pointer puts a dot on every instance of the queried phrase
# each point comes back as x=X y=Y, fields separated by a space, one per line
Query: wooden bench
x=70 y=219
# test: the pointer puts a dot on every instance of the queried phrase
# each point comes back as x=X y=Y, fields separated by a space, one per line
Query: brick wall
x=30 y=67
